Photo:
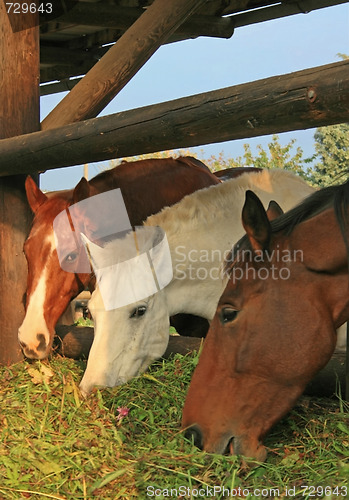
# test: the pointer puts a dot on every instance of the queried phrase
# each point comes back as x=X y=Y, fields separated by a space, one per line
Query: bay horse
x=275 y=324
x=199 y=229
x=146 y=185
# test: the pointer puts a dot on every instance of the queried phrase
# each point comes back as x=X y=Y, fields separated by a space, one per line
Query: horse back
x=147 y=186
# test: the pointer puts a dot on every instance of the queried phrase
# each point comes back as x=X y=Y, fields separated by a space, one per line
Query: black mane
x=336 y=196
x=332 y=196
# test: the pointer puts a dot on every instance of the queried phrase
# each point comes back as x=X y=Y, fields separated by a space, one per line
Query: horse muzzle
x=38 y=350
x=227 y=444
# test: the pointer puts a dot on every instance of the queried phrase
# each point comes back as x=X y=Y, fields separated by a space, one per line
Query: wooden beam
x=19 y=114
x=119 y=17
x=60 y=56
x=109 y=75
x=62 y=86
x=75 y=342
x=310 y=98
x=76 y=57
x=299 y=7
x=92 y=14
x=53 y=73
x=278 y=11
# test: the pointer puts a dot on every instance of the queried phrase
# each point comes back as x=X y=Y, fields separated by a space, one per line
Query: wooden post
x=109 y=75
x=19 y=114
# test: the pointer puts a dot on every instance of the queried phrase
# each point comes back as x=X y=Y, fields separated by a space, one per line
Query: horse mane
x=206 y=203
x=336 y=196
x=331 y=196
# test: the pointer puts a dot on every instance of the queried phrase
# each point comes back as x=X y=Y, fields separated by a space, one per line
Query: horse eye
x=71 y=257
x=138 y=312
x=228 y=314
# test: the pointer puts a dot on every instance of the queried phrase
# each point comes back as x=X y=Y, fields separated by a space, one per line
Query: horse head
x=46 y=303
x=274 y=328
x=56 y=278
x=128 y=306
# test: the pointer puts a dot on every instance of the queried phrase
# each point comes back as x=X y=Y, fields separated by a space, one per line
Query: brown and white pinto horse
x=147 y=186
x=275 y=324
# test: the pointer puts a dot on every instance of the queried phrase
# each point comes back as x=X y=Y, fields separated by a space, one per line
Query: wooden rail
x=75 y=342
x=310 y=98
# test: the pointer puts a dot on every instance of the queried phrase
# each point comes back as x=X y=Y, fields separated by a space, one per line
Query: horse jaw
x=122 y=347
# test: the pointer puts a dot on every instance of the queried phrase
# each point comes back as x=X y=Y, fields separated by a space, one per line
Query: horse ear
x=274 y=210
x=255 y=222
x=81 y=190
x=35 y=196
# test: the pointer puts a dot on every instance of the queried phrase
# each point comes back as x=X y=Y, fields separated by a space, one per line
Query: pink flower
x=123 y=412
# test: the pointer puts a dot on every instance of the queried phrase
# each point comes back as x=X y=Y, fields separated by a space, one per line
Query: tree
x=332 y=149
x=331 y=154
x=277 y=156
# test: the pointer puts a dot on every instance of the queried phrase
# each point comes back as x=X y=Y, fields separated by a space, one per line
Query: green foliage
x=56 y=445
x=288 y=157
x=328 y=165
x=84 y=322
x=332 y=149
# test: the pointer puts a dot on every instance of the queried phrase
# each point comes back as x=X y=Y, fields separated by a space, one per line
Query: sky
x=194 y=66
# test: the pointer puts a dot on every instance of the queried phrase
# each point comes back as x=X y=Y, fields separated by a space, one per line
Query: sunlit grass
x=54 y=444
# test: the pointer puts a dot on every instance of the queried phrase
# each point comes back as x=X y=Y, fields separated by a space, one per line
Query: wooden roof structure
x=72 y=42
x=108 y=41
x=93 y=48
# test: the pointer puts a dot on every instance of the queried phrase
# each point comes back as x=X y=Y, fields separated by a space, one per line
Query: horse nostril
x=42 y=342
x=22 y=344
x=194 y=435
x=230 y=448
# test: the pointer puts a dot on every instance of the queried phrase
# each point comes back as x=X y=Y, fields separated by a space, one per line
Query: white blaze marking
x=34 y=321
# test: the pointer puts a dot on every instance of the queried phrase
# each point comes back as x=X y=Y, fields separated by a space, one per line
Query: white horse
x=200 y=230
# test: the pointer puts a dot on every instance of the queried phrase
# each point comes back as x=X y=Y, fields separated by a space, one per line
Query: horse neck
x=199 y=236
x=197 y=273
x=209 y=221
x=324 y=253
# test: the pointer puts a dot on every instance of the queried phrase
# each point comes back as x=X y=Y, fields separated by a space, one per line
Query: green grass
x=84 y=322
x=55 y=445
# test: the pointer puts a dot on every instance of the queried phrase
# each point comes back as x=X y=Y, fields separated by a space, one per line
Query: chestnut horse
x=275 y=324
x=147 y=186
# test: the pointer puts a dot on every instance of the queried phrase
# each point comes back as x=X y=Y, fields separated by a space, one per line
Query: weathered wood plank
x=75 y=342
x=310 y=98
x=109 y=75
x=19 y=114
